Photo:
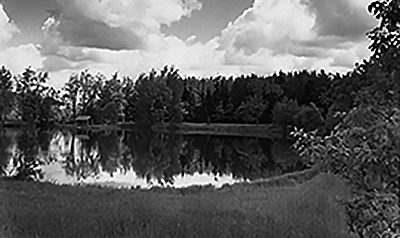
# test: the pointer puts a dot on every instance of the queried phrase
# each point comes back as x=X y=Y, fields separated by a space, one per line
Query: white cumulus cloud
x=291 y=34
x=113 y=24
x=125 y=36
x=18 y=58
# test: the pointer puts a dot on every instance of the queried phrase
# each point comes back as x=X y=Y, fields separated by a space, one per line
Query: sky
x=199 y=37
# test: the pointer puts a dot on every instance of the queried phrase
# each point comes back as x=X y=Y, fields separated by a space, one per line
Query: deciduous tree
x=6 y=94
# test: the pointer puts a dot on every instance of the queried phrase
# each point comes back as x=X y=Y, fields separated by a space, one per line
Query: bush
x=365 y=149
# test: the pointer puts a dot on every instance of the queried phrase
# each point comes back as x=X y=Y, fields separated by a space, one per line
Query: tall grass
x=30 y=209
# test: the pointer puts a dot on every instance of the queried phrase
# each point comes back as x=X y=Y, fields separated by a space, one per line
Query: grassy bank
x=29 y=209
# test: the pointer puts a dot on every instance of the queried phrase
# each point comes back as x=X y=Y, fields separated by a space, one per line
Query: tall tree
x=81 y=92
x=385 y=49
x=6 y=94
x=111 y=100
x=70 y=96
x=130 y=96
x=251 y=109
x=153 y=98
x=35 y=97
x=175 y=84
x=385 y=43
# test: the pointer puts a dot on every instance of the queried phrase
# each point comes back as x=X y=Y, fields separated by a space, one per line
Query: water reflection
x=141 y=158
x=6 y=141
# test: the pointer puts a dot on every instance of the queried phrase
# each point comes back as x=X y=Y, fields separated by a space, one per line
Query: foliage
x=6 y=94
x=130 y=97
x=365 y=149
x=70 y=97
x=35 y=99
x=365 y=146
x=153 y=98
x=165 y=96
x=385 y=43
x=289 y=113
x=80 y=94
x=175 y=84
x=251 y=109
x=111 y=101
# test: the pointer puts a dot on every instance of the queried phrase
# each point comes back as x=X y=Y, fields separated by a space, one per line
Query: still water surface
x=141 y=158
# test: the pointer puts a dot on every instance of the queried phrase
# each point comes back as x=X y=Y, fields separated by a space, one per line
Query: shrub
x=365 y=149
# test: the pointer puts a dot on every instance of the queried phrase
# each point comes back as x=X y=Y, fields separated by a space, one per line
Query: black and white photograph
x=199 y=118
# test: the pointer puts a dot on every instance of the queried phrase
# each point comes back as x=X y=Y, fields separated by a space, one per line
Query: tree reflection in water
x=6 y=142
x=152 y=156
x=23 y=160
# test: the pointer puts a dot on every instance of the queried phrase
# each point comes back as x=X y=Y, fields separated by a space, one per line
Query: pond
x=141 y=158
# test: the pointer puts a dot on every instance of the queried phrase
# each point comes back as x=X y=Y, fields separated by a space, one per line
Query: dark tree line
x=302 y=98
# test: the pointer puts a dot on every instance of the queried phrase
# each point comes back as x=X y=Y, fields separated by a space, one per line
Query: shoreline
x=269 y=131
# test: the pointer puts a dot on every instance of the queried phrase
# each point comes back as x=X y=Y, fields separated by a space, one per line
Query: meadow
x=281 y=207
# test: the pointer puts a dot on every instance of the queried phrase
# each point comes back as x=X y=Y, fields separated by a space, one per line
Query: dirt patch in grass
x=310 y=209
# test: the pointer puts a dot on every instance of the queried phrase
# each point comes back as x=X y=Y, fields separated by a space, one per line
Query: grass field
x=310 y=209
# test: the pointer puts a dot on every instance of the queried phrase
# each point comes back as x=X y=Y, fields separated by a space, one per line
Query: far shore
x=270 y=131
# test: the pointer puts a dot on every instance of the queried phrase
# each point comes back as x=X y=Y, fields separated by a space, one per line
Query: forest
x=302 y=99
